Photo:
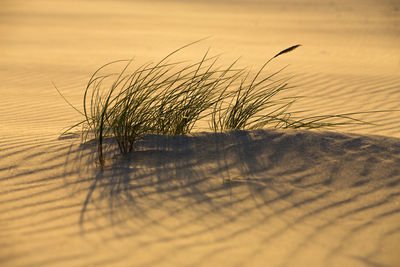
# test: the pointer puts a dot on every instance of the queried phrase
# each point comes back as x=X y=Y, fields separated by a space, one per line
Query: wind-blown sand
x=257 y=198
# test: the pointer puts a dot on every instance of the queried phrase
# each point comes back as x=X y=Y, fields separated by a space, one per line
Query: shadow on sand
x=210 y=182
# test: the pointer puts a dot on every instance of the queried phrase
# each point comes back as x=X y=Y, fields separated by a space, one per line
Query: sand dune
x=241 y=198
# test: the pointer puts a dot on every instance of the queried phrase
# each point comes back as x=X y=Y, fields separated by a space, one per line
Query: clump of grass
x=170 y=98
x=190 y=97
x=154 y=98
x=253 y=104
x=126 y=109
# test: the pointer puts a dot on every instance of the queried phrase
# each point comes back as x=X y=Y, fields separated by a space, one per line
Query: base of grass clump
x=170 y=98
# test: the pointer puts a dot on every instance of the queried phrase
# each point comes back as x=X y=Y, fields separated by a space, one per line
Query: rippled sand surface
x=281 y=198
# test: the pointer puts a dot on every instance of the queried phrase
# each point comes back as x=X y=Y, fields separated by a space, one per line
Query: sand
x=242 y=198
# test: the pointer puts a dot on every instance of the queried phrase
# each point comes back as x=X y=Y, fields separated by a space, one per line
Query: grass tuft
x=171 y=97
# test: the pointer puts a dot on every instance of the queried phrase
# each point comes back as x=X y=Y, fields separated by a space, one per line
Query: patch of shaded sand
x=289 y=198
